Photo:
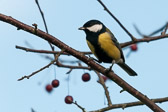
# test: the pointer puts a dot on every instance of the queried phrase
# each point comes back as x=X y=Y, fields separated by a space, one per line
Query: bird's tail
x=129 y=70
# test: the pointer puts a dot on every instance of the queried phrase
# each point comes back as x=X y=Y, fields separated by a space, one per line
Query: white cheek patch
x=95 y=28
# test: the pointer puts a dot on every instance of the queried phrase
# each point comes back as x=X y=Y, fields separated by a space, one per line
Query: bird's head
x=93 y=26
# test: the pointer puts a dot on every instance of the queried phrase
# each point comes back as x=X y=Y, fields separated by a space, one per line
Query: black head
x=93 y=26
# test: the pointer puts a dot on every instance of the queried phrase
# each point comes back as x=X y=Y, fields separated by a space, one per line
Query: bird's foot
x=107 y=70
x=110 y=68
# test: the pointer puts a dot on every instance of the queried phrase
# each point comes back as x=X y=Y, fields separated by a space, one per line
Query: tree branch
x=101 y=81
x=83 y=58
x=44 y=21
x=42 y=15
x=46 y=51
x=59 y=64
x=145 y=39
x=131 y=104
x=48 y=65
x=72 y=67
x=112 y=15
x=83 y=109
x=158 y=30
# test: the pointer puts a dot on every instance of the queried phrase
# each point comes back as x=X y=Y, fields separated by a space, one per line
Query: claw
x=110 y=68
x=113 y=62
x=107 y=70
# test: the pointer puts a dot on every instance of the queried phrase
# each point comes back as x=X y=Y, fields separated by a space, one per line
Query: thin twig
x=121 y=25
x=47 y=66
x=60 y=61
x=164 y=32
x=101 y=81
x=70 y=61
x=70 y=70
x=37 y=71
x=138 y=31
x=157 y=31
x=68 y=66
x=42 y=15
x=83 y=109
x=46 y=51
x=72 y=67
x=130 y=104
x=32 y=110
x=153 y=33
x=44 y=21
x=145 y=39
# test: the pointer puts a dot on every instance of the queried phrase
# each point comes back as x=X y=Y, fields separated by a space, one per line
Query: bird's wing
x=116 y=43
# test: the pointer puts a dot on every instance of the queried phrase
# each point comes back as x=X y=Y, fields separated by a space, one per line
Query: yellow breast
x=108 y=46
x=91 y=48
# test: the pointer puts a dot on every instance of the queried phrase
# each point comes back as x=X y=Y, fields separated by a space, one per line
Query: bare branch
x=157 y=31
x=70 y=70
x=154 y=32
x=46 y=51
x=59 y=64
x=42 y=15
x=101 y=81
x=47 y=66
x=44 y=21
x=85 y=59
x=138 y=31
x=72 y=67
x=83 y=109
x=112 y=15
x=131 y=104
x=164 y=32
x=146 y=39
x=32 y=110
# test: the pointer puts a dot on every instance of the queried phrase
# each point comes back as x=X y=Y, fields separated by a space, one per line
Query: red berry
x=104 y=78
x=49 y=88
x=86 y=77
x=133 y=47
x=55 y=83
x=68 y=99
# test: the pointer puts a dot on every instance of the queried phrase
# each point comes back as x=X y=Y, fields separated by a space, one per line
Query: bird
x=104 y=45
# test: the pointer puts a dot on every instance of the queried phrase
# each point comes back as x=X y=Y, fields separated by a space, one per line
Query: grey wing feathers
x=116 y=43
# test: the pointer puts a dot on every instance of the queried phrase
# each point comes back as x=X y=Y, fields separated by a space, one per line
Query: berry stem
x=54 y=71
x=68 y=83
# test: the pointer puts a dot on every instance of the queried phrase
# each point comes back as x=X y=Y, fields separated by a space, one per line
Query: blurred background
x=63 y=18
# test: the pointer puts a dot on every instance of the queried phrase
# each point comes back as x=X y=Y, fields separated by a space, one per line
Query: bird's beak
x=81 y=28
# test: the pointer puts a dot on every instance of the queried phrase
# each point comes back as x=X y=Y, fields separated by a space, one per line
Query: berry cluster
x=54 y=84
x=68 y=99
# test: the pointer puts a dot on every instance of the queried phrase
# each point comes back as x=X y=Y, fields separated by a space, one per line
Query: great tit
x=104 y=45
